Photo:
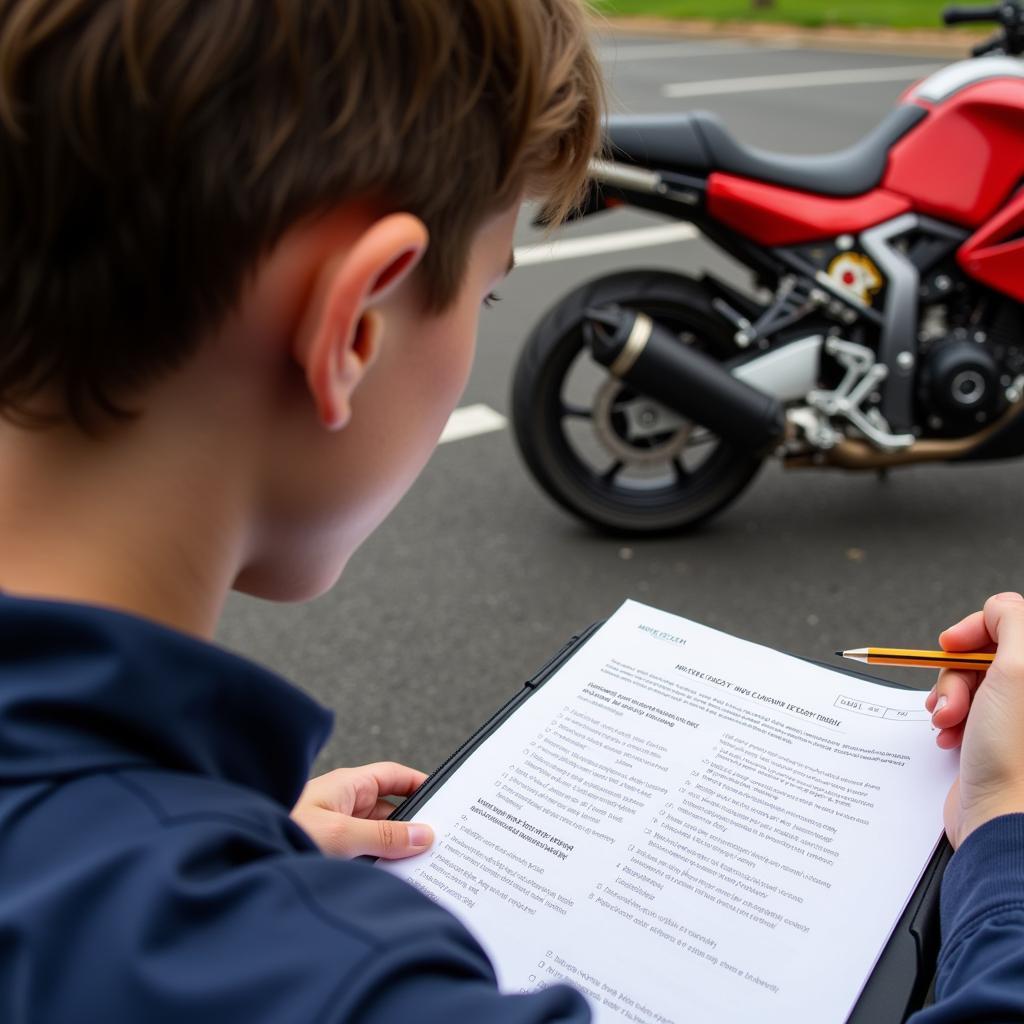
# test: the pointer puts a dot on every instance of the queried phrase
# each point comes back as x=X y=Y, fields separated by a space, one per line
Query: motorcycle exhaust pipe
x=651 y=359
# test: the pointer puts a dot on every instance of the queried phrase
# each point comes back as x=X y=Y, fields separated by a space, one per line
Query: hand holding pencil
x=982 y=711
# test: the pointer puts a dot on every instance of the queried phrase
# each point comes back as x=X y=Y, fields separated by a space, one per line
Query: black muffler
x=654 y=361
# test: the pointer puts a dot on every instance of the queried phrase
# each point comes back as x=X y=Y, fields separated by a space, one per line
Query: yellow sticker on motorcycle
x=855 y=273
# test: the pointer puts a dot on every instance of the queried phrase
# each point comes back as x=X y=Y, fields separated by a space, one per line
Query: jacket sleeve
x=981 y=964
x=207 y=920
x=432 y=996
x=419 y=963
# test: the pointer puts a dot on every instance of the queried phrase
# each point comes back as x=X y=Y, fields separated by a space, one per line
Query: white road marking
x=799 y=80
x=470 y=421
x=661 y=51
x=613 y=241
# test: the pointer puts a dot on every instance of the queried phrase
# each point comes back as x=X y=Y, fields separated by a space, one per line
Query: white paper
x=689 y=827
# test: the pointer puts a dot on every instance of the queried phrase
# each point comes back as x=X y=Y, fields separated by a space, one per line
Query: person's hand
x=983 y=713
x=344 y=812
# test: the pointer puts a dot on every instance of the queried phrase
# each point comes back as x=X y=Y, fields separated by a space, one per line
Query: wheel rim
x=623 y=448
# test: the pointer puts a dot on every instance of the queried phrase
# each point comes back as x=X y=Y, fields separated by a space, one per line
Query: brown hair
x=152 y=153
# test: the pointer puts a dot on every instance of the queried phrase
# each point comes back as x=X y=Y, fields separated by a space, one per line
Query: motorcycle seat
x=699 y=143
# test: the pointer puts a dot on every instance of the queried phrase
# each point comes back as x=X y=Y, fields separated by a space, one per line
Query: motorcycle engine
x=960 y=387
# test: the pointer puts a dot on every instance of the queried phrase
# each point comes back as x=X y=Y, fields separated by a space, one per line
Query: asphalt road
x=478 y=577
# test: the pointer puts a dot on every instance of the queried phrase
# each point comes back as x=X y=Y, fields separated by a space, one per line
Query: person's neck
x=144 y=526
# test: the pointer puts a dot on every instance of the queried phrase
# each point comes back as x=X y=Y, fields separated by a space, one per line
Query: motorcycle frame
x=694 y=199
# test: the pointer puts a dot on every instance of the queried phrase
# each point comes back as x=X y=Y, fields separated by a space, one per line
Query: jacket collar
x=85 y=688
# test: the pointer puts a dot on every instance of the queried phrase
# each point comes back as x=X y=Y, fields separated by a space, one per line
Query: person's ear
x=340 y=332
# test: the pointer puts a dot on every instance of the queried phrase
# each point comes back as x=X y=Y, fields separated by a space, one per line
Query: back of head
x=152 y=154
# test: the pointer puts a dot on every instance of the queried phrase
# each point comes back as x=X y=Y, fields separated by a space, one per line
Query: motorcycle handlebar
x=958 y=15
x=994 y=45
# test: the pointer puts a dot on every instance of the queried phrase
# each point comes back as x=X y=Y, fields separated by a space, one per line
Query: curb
x=926 y=42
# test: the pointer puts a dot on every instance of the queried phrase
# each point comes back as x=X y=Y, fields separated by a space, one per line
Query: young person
x=243 y=248
x=243 y=251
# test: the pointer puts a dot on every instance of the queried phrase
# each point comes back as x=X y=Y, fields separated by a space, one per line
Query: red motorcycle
x=884 y=325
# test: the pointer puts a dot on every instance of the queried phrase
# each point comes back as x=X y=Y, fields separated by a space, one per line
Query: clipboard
x=902 y=977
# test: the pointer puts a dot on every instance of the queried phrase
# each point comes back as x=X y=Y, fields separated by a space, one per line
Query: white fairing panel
x=951 y=80
x=788 y=373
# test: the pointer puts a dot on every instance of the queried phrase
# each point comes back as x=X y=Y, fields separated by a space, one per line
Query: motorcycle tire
x=546 y=423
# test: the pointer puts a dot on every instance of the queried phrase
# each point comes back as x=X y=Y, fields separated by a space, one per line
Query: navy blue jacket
x=148 y=867
x=149 y=870
x=981 y=964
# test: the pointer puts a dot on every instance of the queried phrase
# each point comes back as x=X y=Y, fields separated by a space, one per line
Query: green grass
x=895 y=13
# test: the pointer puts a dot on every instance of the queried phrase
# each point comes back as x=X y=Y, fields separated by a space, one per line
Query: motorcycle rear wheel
x=650 y=470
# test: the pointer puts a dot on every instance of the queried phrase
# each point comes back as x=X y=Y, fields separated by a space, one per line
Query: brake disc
x=638 y=430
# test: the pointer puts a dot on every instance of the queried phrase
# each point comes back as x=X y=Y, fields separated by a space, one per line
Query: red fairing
x=962 y=163
x=780 y=216
x=995 y=254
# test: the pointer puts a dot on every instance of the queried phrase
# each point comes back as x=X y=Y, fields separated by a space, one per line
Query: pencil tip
x=839 y=654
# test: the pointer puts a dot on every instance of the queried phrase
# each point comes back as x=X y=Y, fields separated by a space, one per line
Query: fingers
x=977 y=632
x=370 y=782
x=950 y=739
x=393 y=779
x=391 y=840
x=1004 y=620
x=949 y=702
x=345 y=814
x=950 y=698
x=382 y=809
x=969 y=634
x=357 y=790
x=1000 y=622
